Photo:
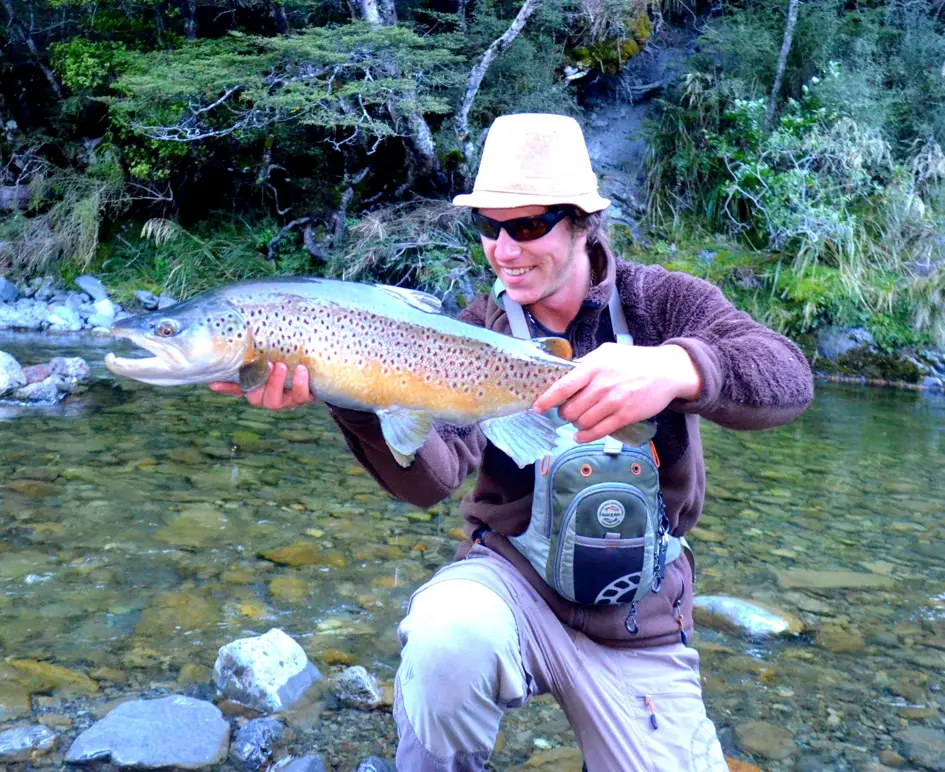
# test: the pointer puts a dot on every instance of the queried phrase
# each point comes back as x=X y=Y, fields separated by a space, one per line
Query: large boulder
x=267 y=673
x=11 y=374
x=177 y=731
x=8 y=291
x=92 y=287
x=834 y=342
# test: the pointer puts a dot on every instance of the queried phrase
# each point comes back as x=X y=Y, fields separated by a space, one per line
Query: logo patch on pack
x=611 y=513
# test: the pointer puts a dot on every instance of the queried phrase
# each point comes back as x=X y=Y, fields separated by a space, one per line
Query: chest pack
x=598 y=533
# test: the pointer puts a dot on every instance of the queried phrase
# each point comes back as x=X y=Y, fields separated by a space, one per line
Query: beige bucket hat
x=534 y=158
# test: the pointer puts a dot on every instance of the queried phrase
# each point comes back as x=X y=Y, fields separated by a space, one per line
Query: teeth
x=517 y=271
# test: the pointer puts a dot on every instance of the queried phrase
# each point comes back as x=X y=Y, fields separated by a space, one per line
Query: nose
x=506 y=246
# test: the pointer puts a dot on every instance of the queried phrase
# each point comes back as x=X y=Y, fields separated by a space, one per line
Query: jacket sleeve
x=447 y=458
x=752 y=377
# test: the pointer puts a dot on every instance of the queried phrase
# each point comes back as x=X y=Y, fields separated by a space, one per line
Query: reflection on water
x=142 y=528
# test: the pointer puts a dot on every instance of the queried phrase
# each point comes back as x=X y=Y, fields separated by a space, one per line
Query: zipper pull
x=649 y=705
x=682 y=625
x=630 y=623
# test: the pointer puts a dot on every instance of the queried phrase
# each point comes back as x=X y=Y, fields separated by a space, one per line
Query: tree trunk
x=388 y=12
x=461 y=15
x=782 y=62
x=33 y=49
x=190 y=19
x=279 y=20
x=420 y=146
x=370 y=12
x=479 y=71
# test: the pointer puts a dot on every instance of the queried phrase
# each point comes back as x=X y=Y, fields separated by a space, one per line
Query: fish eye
x=166 y=328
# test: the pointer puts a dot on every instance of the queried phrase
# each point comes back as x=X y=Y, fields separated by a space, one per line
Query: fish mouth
x=167 y=359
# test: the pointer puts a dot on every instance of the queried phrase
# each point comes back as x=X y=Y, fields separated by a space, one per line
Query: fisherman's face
x=546 y=268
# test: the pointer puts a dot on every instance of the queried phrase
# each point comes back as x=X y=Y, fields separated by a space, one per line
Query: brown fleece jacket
x=752 y=378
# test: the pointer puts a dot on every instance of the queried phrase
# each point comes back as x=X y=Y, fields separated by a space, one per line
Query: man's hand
x=273 y=394
x=616 y=385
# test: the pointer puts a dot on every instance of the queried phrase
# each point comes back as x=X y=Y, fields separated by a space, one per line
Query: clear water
x=135 y=520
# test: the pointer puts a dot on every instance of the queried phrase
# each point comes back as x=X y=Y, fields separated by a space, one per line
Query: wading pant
x=477 y=639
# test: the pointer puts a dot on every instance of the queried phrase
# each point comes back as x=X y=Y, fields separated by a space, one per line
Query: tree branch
x=479 y=71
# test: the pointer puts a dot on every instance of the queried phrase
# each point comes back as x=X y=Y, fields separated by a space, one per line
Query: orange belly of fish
x=384 y=387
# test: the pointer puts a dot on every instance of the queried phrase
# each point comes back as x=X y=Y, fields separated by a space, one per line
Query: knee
x=459 y=638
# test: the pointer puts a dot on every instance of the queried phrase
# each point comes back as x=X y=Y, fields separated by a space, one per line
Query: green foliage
x=83 y=65
x=611 y=54
x=819 y=187
x=338 y=79
x=425 y=244
x=163 y=256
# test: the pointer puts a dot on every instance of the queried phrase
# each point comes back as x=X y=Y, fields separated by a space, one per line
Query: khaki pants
x=477 y=639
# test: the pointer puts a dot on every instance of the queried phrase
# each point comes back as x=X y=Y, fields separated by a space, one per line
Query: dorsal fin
x=422 y=301
x=558 y=347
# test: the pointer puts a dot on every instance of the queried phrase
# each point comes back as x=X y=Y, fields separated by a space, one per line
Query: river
x=142 y=528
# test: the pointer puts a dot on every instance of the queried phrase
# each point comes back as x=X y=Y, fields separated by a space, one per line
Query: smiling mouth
x=518 y=271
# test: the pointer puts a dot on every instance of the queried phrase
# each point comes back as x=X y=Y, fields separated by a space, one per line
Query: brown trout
x=383 y=349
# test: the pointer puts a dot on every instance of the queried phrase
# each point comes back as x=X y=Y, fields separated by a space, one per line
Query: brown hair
x=593 y=225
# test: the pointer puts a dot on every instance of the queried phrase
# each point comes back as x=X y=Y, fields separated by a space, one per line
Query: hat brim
x=492 y=199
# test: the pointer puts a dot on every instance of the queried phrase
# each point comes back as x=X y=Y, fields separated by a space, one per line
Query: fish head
x=205 y=339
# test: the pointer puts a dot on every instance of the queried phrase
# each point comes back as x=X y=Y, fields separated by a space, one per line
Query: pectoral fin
x=523 y=437
x=254 y=374
x=636 y=434
x=404 y=431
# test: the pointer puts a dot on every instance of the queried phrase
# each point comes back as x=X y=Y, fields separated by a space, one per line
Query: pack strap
x=519 y=325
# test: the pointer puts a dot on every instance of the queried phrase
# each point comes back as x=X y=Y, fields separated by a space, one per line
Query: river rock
x=14 y=700
x=356 y=688
x=924 y=746
x=744 y=617
x=147 y=300
x=72 y=373
x=166 y=300
x=136 y=734
x=252 y=747
x=763 y=739
x=11 y=374
x=24 y=315
x=832 y=580
x=8 y=291
x=834 y=342
x=302 y=764
x=25 y=743
x=103 y=313
x=46 y=391
x=92 y=287
x=376 y=764
x=64 y=319
x=266 y=673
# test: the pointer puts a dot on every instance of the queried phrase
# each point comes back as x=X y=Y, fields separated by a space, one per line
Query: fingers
x=222 y=387
x=301 y=386
x=601 y=429
x=563 y=388
x=274 y=397
x=273 y=394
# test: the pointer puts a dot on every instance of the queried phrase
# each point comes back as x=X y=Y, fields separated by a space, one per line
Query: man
x=487 y=631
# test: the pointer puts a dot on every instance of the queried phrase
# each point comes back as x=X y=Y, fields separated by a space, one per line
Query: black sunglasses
x=521 y=228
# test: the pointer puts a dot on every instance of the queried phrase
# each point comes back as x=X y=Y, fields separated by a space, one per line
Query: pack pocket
x=605 y=550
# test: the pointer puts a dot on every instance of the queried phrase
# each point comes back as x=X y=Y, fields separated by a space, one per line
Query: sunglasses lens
x=528 y=228
x=485 y=226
